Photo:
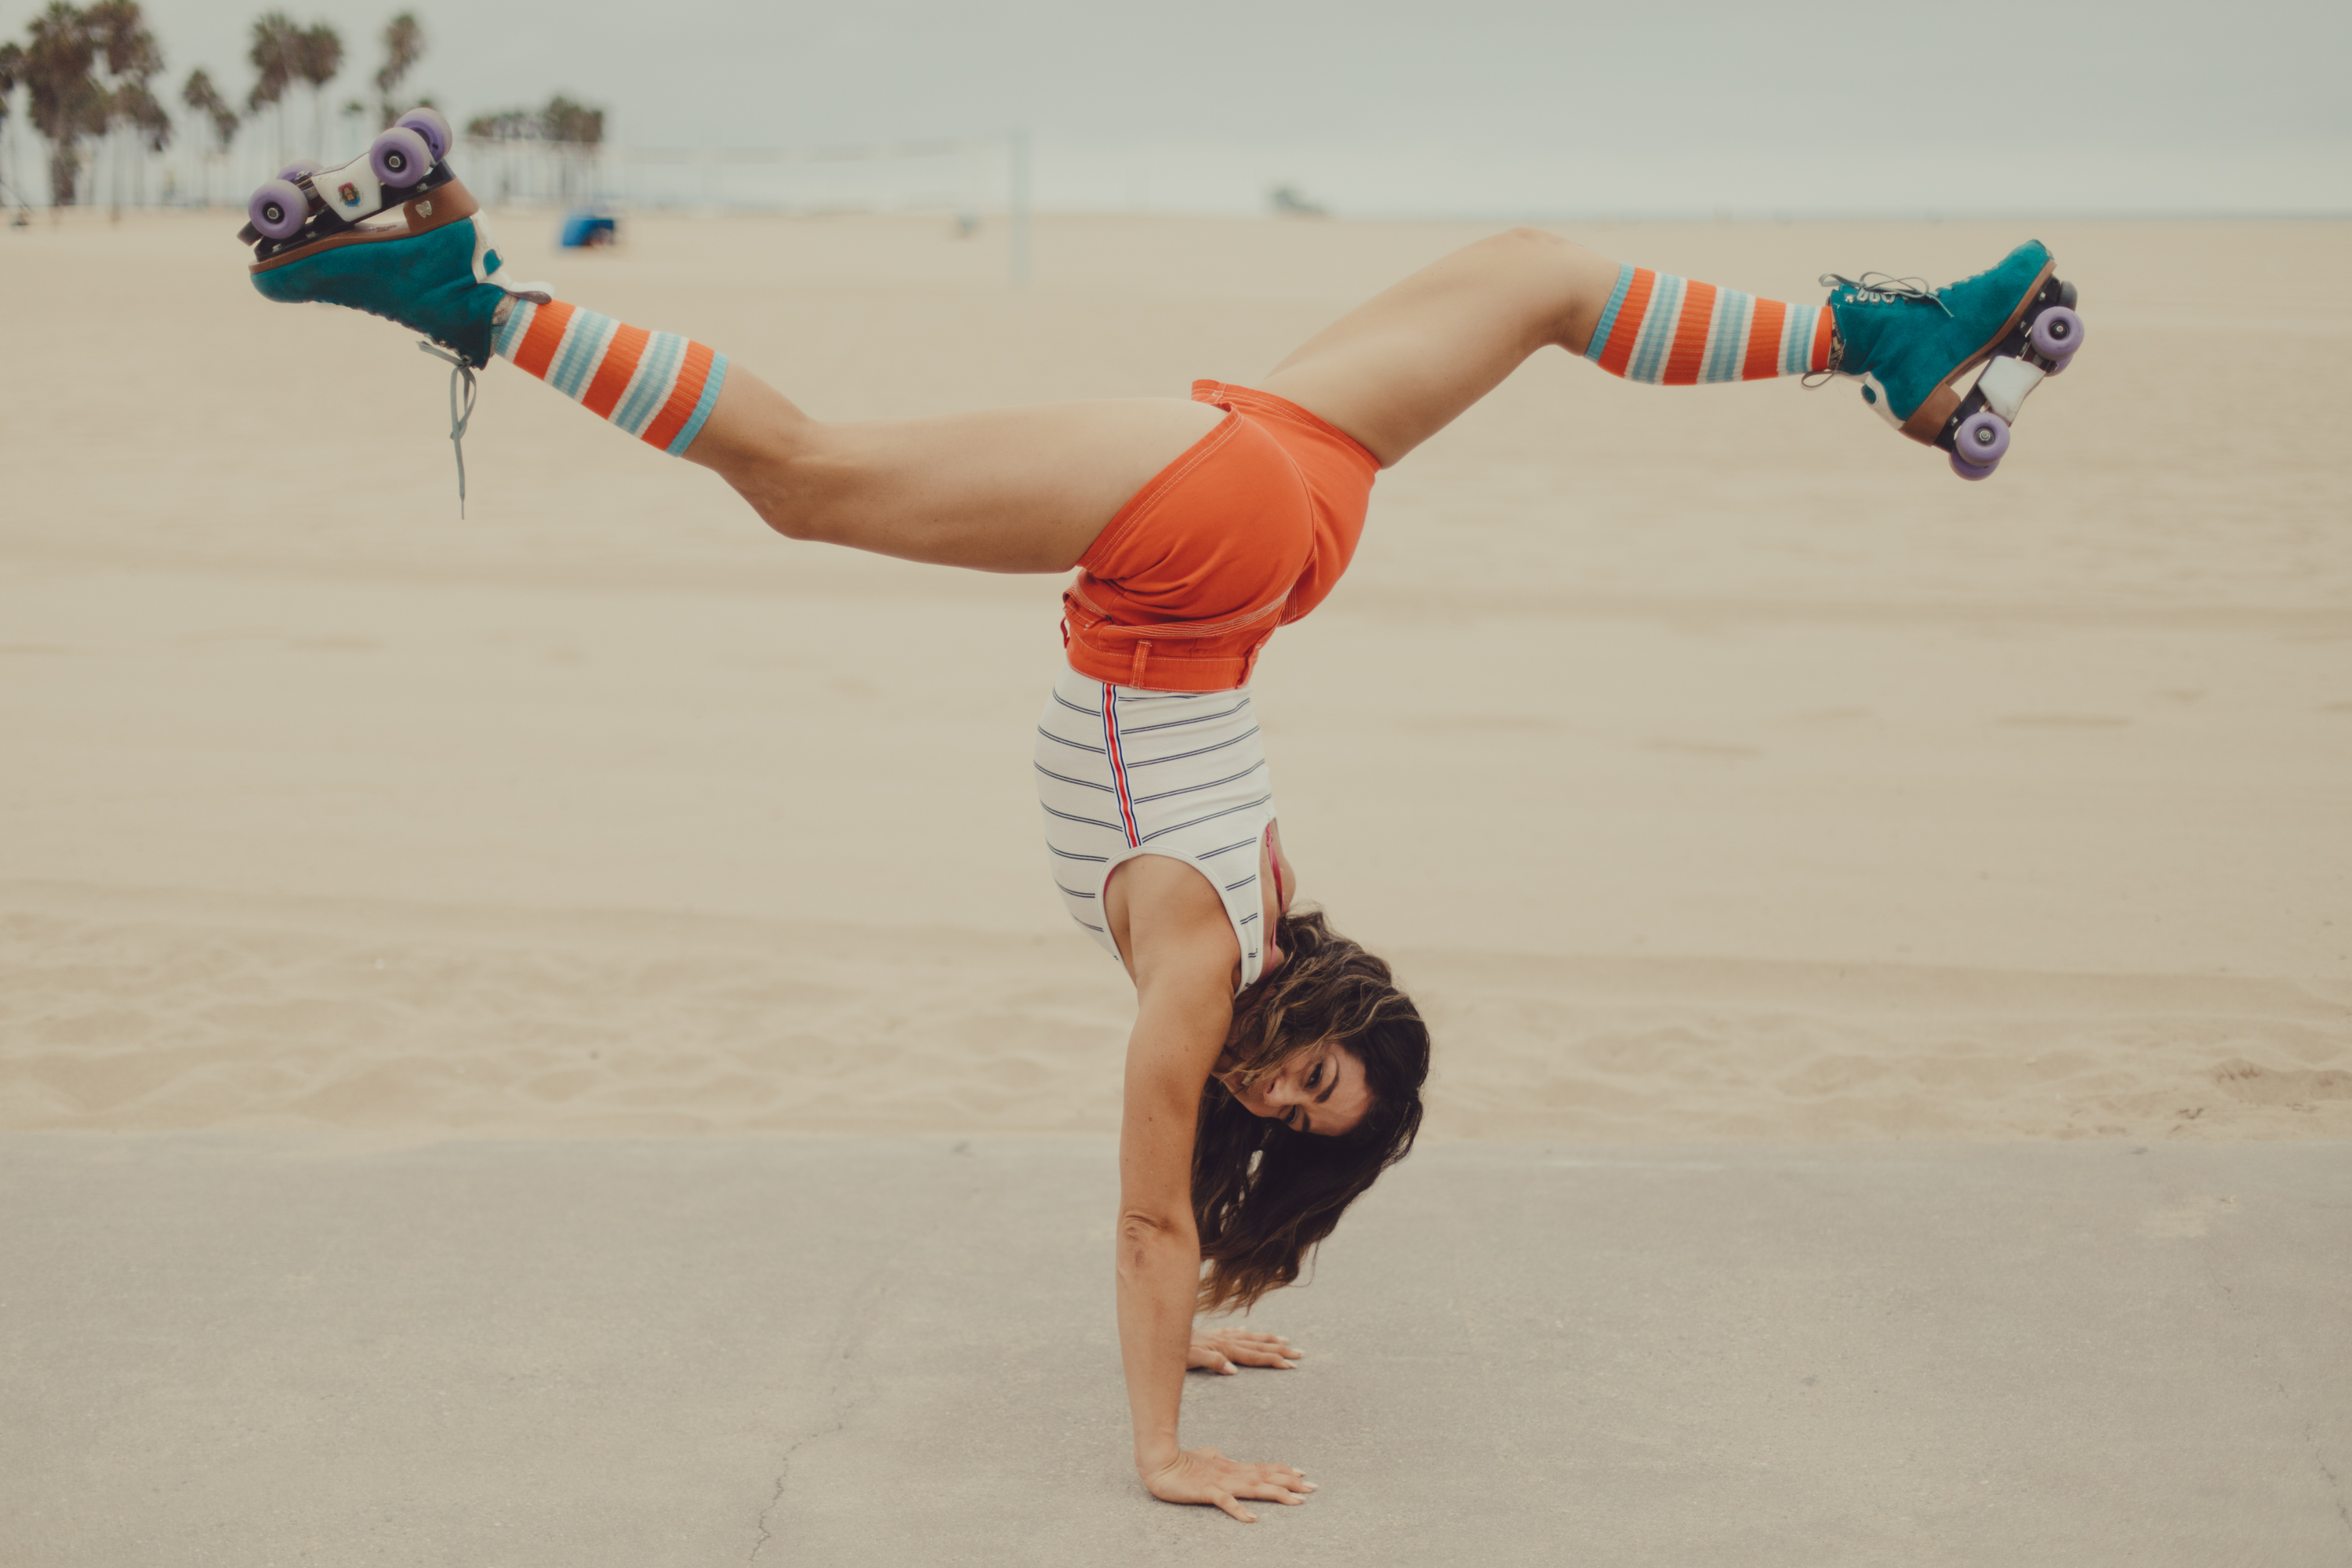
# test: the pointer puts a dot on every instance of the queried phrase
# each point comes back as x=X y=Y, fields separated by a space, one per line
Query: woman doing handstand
x=1274 y=1069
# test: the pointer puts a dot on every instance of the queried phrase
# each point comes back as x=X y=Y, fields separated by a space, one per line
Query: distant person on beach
x=1274 y=1069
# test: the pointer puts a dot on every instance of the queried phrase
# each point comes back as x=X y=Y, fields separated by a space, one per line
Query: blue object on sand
x=589 y=228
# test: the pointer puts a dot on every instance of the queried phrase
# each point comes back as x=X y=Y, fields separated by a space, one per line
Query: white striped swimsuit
x=1123 y=771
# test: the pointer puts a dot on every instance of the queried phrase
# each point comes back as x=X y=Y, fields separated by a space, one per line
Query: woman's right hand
x=1230 y=1350
x=1205 y=1476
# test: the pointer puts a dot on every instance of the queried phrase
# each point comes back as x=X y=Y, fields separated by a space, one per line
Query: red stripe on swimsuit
x=1118 y=762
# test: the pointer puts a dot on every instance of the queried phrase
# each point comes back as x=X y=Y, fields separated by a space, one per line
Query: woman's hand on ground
x=1205 y=1476
x=1230 y=1350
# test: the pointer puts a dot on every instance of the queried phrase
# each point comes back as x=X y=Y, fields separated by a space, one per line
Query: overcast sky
x=1455 y=106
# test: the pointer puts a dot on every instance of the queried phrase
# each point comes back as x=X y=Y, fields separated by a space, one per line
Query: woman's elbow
x=1144 y=1232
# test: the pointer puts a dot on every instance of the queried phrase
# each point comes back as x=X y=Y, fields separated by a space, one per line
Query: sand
x=1711 y=764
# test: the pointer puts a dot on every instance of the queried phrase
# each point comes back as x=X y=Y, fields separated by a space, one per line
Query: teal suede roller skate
x=1914 y=348
x=433 y=271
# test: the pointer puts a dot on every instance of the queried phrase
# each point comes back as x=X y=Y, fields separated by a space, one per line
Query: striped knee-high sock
x=657 y=386
x=1657 y=328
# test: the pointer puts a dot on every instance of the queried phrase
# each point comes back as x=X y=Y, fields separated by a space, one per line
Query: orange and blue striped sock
x=1660 y=329
x=657 y=386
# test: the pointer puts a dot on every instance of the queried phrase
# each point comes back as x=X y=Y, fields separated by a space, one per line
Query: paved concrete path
x=252 y=1350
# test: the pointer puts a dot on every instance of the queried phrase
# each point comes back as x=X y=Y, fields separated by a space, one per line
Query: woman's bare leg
x=1011 y=490
x=1400 y=368
x=1027 y=489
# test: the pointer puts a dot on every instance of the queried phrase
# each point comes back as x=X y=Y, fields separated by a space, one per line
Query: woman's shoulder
x=1166 y=911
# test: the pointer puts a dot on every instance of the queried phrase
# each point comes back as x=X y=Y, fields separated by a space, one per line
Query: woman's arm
x=1182 y=955
x=1159 y=1250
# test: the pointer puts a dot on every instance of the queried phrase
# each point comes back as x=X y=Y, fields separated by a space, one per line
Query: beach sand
x=1710 y=762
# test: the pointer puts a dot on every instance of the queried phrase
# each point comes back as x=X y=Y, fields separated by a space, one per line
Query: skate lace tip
x=460 y=415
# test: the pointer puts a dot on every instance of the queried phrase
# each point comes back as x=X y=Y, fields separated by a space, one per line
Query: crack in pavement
x=2319 y=1458
x=2254 y=1328
x=784 y=1472
x=859 y=1323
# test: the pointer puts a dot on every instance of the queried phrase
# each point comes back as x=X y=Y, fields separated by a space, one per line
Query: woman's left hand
x=1229 y=1349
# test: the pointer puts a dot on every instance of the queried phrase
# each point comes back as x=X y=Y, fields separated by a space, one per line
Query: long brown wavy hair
x=1264 y=1196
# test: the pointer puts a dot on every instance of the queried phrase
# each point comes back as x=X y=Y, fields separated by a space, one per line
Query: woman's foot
x=439 y=276
x=1908 y=344
x=431 y=269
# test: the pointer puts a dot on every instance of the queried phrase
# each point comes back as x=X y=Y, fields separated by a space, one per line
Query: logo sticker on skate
x=1873 y=392
x=350 y=194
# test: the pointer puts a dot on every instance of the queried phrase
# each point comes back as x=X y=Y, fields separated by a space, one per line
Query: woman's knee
x=1564 y=284
x=805 y=483
x=1543 y=249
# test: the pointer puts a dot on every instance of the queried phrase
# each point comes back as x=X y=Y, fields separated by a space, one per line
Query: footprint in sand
x=2280 y=1086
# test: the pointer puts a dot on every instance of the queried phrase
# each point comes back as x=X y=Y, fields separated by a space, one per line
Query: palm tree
x=318 y=56
x=132 y=59
x=404 y=46
x=509 y=125
x=564 y=121
x=12 y=70
x=277 y=57
x=67 y=103
x=577 y=131
x=120 y=29
x=200 y=95
x=134 y=108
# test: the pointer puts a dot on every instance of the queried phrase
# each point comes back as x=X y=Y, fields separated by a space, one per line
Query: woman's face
x=1321 y=1090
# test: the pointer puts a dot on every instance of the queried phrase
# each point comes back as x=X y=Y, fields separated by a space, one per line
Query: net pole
x=1017 y=150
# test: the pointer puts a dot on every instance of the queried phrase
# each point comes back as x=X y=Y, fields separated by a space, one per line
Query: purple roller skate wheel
x=2057 y=333
x=1968 y=470
x=278 y=209
x=399 y=157
x=426 y=121
x=297 y=168
x=1981 y=440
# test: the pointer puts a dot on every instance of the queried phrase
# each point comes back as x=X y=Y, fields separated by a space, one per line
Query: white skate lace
x=459 y=417
x=1887 y=287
